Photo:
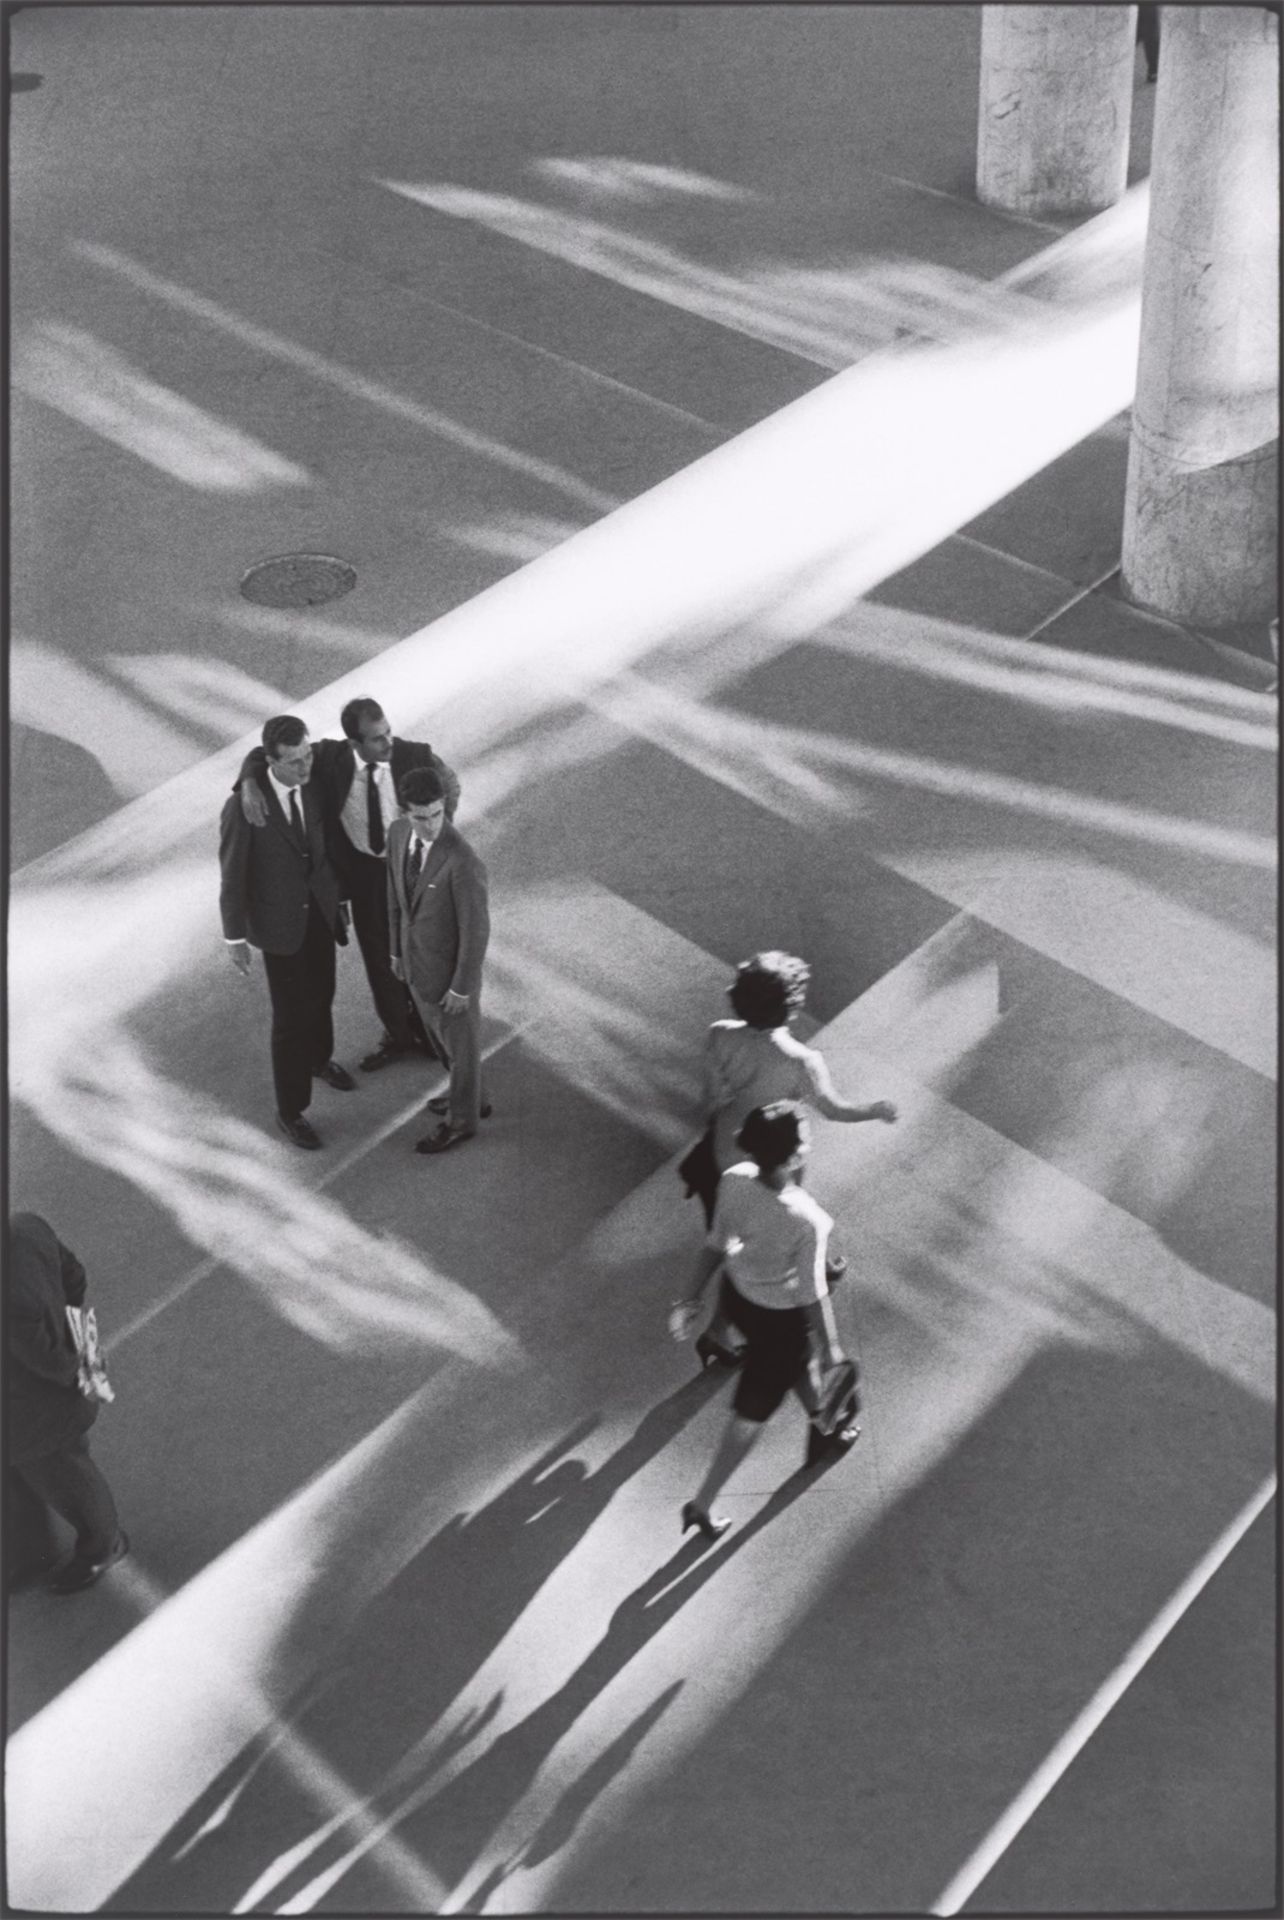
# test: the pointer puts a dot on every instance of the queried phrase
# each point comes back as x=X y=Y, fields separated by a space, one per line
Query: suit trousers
x=302 y=988
x=369 y=882
x=456 y=1040
x=68 y=1481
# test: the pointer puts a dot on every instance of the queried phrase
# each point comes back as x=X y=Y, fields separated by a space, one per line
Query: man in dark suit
x=440 y=924
x=358 y=778
x=48 y=1416
x=280 y=894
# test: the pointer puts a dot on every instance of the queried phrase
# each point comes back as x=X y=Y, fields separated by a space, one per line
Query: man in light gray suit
x=439 y=923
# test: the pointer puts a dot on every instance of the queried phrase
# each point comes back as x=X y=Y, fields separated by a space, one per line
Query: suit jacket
x=46 y=1407
x=334 y=768
x=439 y=933
x=268 y=876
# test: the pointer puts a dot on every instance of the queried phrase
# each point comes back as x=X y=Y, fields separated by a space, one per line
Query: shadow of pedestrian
x=450 y=1829
x=561 y=1823
x=407 y=1657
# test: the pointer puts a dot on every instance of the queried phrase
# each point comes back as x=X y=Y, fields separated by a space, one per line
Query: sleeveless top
x=745 y=1067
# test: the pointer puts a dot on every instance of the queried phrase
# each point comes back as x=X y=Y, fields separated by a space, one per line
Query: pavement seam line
x=977 y=206
x=1072 y=1742
x=547 y=353
x=1083 y=593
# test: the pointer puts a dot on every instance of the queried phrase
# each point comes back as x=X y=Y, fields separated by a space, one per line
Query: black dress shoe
x=440 y=1103
x=80 y=1573
x=441 y=1140
x=387 y=1053
x=336 y=1076
x=299 y=1130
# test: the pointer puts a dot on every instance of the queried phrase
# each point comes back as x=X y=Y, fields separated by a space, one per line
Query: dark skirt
x=776 y=1349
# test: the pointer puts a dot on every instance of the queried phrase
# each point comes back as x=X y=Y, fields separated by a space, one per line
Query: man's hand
x=398 y=971
x=883 y=1110
x=683 y=1315
x=454 y=1003
x=239 y=951
x=253 y=805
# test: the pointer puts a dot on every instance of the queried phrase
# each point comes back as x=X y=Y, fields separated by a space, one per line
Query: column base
x=1201 y=545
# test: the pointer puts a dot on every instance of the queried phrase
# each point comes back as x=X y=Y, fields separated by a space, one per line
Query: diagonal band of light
x=359 y=385
x=784 y=525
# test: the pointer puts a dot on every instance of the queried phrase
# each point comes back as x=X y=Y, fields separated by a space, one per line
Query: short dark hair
x=772 y=1134
x=284 y=730
x=355 y=712
x=768 y=988
x=420 y=787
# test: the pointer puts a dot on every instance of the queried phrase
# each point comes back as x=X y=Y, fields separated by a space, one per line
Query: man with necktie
x=440 y=923
x=357 y=778
x=279 y=893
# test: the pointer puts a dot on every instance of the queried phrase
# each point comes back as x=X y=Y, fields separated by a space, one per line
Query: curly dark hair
x=772 y=1134
x=768 y=988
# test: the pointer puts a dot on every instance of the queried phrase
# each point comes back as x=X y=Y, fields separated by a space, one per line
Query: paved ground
x=537 y=317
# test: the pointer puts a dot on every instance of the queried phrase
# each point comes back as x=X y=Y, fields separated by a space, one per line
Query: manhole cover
x=298 y=580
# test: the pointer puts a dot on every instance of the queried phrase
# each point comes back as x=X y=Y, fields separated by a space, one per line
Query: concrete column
x=1056 y=107
x=1201 y=513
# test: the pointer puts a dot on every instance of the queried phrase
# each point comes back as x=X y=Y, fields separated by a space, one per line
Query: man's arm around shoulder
x=420 y=754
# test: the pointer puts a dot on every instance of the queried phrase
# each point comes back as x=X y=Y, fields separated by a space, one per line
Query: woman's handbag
x=830 y=1394
x=91 y=1375
x=698 y=1169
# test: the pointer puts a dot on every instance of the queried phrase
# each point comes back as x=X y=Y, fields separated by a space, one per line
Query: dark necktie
x=414 y=865
x=374 y=812
x=300 y=834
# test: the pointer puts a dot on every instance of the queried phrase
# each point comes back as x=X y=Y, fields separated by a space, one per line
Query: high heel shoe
x=712 y=1526
x=708 y=1350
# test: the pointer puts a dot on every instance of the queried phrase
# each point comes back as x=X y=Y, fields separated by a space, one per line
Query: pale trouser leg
x=457 y=1037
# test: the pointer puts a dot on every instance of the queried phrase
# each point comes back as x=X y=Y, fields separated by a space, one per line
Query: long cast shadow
x=448 y=1827
x=407 y=1657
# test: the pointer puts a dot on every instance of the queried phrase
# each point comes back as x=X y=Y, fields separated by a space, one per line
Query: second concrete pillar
x=1201 y=516
x=1055 y=107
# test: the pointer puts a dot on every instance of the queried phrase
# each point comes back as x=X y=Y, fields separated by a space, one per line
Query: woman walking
x=750 y=1061
x=768 y=1239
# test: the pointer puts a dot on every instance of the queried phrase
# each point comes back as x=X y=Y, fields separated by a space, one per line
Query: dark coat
x=46 y=1408
x=333 y=771
x=268 y=875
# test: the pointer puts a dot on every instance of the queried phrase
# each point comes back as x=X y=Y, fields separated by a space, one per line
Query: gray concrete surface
x=407 y=1626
